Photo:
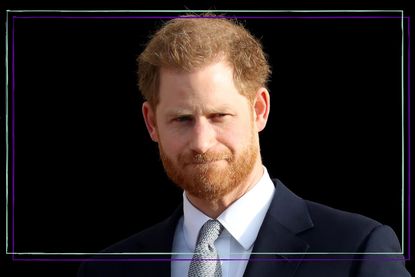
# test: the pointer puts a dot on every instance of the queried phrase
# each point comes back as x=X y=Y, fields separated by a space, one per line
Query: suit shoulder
x=322 y=214
x=341 y=230
x=138 y=247
x=135 y=242
x=157 y=238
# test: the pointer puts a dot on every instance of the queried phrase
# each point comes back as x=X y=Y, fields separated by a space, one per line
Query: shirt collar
x=253 y=205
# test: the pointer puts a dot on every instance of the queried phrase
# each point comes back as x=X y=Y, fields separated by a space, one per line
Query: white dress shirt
x=241 y=221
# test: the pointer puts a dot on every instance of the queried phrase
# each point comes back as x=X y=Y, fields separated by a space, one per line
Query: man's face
x=205 y=129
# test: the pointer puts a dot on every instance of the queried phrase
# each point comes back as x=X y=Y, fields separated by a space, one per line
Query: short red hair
x=188 y=43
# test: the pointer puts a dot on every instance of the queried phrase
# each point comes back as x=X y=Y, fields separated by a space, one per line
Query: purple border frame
x=14 y=17
x=188 y=259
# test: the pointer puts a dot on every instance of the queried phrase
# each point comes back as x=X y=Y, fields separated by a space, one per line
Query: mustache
x=201 y=158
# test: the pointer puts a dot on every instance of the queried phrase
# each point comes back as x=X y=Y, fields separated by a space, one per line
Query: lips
x=204 y=159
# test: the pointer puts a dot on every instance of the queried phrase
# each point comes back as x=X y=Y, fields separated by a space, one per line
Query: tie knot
x=210 y=231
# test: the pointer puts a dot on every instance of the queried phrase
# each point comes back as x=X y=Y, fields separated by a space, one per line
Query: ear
x=150 y=120
x=261 y=108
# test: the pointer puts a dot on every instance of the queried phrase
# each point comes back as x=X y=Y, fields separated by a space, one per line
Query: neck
x=213 y=208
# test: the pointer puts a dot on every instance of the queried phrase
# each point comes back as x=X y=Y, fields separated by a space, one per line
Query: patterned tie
x=201 y=265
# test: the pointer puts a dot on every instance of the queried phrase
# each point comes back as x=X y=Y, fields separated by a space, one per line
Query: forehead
x=212 y=84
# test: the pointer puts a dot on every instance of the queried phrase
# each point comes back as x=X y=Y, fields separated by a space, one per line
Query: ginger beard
x=203 y=178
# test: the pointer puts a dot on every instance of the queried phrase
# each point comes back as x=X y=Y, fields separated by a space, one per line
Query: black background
x=87 y=174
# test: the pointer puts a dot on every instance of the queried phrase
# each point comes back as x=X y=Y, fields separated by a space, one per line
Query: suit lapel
x=286 y=217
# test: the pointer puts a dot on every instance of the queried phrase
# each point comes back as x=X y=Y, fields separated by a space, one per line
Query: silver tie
x=205 y=261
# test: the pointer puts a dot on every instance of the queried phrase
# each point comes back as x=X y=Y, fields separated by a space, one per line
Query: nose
x=203 y=136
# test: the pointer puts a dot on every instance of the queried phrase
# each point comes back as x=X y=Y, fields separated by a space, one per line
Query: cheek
x=236 y=137
x=172 y=145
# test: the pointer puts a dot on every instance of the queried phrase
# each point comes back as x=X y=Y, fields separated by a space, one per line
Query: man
x=204 y=81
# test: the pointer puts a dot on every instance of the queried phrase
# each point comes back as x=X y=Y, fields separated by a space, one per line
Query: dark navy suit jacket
x=294 y=228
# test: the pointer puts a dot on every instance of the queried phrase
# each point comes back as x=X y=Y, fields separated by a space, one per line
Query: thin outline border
x=402 y=17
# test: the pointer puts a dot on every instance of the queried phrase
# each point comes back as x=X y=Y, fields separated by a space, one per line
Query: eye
x=218 y=116
x=183 y=118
